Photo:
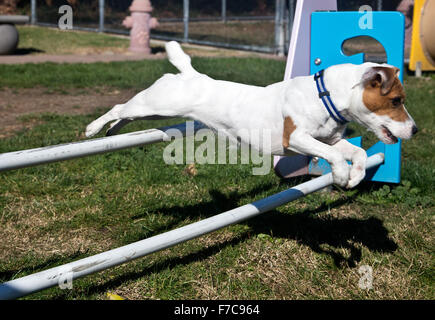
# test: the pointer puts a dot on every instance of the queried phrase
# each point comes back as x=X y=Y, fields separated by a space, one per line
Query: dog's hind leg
x=116 y=126
x=121 y=114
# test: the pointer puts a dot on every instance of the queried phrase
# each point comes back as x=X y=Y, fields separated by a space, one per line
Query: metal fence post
x=291 y=14
x=101 y=12
x=279 y=27
x=186 y=19
x=290 y=17
x=33 y=11
x=224 y=11
x=379 y=5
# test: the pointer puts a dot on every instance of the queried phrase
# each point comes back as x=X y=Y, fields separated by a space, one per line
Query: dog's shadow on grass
x=219 y=203
x=323 y=235
x=328 y=235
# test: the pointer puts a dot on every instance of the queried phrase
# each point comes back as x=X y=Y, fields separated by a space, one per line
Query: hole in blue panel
x=373 y=50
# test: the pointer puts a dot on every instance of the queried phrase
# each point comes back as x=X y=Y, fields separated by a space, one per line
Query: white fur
x=234 y=106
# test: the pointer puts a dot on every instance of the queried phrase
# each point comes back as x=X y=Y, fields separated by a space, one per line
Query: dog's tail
x=178 y=58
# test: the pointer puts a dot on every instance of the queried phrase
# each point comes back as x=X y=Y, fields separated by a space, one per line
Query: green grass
x=136 y=75
x=308 y=249
x=56 y=41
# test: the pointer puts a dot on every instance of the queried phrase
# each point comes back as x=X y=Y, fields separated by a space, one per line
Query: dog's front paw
x=340 y=174
x=358 y=170
x=357 y=173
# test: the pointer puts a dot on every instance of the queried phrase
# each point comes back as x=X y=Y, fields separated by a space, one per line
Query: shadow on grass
x=220 y=203
x=304 y=227
x=158 y=49
x=8 y=275
x=155 y=268
x=324 y=235
x=328 y=235
x=25 y=51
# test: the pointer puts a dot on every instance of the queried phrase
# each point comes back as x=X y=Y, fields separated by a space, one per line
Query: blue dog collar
x=326 y=99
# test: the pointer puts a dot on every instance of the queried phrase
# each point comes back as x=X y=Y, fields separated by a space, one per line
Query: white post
x=49 y=278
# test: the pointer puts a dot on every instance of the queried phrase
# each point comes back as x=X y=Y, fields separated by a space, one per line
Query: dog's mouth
x=390 y=138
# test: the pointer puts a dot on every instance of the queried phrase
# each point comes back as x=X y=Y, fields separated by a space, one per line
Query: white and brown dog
x=306 y=115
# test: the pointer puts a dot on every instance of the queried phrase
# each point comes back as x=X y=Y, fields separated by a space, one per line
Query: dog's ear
x=382 y=77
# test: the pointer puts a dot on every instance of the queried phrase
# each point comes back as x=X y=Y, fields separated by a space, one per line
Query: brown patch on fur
x=378 y=95
x=289 y=127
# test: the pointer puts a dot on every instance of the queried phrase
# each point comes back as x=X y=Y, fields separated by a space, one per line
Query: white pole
x=70 y=271
x=32 y=157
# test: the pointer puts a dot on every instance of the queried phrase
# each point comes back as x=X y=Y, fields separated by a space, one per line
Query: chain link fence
x=256 y=25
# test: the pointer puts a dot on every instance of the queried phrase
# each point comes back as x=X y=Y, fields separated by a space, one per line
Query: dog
x=305 y=115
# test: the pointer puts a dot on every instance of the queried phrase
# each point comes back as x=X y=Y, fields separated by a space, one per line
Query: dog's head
x=381 y=105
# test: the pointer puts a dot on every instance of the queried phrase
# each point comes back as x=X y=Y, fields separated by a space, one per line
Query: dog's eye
x=396 y=101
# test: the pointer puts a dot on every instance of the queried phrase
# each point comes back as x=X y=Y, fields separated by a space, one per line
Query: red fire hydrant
x=141 y=24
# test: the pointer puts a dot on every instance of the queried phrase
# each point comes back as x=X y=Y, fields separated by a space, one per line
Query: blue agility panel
x=329 y=30
x=389 y=171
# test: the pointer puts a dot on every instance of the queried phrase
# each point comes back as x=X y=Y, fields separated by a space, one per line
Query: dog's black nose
x=414 y=129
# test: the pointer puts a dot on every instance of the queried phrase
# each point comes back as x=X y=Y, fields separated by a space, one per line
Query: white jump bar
x=32 y=157
x=52 y=277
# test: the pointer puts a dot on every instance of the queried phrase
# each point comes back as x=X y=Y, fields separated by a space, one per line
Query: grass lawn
x=55 y=41
x=136 y=75
x=308 y=249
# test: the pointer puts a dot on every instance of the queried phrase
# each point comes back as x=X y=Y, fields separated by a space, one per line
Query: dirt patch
x=15 y=103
